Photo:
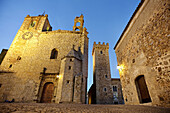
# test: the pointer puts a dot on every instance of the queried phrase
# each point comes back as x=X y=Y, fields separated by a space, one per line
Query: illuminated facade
x=47 y=66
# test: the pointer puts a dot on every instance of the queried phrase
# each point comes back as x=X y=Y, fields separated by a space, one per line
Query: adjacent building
x=143 y=55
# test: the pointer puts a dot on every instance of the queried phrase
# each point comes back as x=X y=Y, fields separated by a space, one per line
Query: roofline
x=115 y=78
x=137 y=9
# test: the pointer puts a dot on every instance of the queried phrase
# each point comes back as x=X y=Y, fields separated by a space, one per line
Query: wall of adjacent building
x=144 y=50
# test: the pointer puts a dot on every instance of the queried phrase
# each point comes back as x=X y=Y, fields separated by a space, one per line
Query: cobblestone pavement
x=77 y=108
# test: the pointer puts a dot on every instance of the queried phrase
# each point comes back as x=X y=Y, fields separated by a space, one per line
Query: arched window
x=54 y=54
x=114 y=88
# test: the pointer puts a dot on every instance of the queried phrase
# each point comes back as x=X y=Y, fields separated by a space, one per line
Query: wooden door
x=47 y=94
x=142 y=90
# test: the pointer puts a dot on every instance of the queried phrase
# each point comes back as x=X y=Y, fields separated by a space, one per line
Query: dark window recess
x=71 y=60
x=105 y=76
x=68 y=81
x=133 y=61
x=69 y=67
x=126 y=99
x=10 y=66
x=101 y=52
x=82 y=79
x=114 y=88
x=19 y=58
x=0 y=85
x=105 y=89
x=54 y=54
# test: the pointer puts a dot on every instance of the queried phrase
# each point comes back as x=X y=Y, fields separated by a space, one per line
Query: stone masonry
x=143 y=55
x=105 y=90
x=42 y=65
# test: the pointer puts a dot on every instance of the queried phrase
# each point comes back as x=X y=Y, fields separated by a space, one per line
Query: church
x=46 y=66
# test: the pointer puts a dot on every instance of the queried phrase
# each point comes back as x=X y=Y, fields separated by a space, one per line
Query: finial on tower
x=43 y=13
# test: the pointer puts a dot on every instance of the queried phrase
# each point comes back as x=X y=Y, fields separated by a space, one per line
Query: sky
x=105 y=21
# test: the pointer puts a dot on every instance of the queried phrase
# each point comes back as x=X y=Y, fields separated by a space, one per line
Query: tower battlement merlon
x=100 y=46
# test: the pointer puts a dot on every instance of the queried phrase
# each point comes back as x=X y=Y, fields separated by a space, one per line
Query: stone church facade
x=143 y=55
x=104 y=90
x=47 y=66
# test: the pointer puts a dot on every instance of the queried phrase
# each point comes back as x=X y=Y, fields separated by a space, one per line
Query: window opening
x=19 y=58
x=68 y=81
x=10 y=66
x=54 y=54
x=114 y=88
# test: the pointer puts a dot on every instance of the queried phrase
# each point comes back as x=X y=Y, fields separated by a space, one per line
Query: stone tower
x=46 y=66
x=101 y=73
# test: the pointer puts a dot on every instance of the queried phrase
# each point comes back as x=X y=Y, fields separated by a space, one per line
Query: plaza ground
x=77 y=108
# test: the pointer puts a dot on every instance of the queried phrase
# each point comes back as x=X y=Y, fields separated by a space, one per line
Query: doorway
x=47 y=93
x=142 y=89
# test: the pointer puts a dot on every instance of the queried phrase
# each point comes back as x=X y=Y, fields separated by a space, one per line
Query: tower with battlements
x=102 y=90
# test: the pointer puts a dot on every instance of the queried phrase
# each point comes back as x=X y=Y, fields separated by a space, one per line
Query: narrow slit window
x=105 y=89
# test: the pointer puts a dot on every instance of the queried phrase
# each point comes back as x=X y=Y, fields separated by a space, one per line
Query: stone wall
x=119 y=97
x=6 y=85
x=101 y=92
x=30 y=53
x=144 y=50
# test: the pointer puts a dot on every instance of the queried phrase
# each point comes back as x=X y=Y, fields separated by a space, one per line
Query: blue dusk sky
x=105 y=21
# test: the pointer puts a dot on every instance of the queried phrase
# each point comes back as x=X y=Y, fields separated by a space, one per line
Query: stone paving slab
x=77 y=108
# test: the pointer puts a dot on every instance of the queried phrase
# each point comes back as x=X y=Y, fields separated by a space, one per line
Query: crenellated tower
x=101 y=73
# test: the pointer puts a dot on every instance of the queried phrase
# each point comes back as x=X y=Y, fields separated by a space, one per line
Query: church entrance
x=48 y=91
x=142 y=89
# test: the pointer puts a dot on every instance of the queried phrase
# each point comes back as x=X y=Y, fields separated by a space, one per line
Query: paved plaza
x=77 y=108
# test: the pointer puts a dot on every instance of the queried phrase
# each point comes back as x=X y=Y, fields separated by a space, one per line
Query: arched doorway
x=47 y=93
x=142 y=89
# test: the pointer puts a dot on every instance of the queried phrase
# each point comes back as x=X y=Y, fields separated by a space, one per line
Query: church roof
x=75 y=54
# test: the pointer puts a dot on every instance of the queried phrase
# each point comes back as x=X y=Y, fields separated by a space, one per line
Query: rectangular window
x=114 y=88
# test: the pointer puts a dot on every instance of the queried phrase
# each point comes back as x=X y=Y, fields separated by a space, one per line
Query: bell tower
x=78 y=23
x=36 y=23
x=26 y=38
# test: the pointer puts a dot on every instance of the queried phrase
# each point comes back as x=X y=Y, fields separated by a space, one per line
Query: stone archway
x=47 y=93
x=142 y=89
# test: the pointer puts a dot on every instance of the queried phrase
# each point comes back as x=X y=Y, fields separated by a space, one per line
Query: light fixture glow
x=57 y=76
x=121 y=67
